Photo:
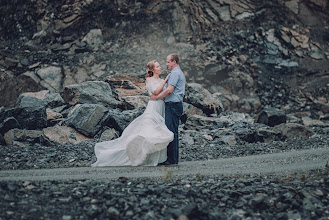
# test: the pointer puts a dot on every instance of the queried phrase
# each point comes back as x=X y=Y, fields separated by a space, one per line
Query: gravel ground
x=36 y=156
x=295 y=194
x=266 y=196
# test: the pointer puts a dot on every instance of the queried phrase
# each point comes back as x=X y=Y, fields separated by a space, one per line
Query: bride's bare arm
x=160 y=88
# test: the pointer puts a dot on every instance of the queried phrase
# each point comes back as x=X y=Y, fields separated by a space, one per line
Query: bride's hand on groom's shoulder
x=167 y=77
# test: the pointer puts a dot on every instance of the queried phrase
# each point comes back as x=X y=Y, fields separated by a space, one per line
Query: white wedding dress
x=143 y=142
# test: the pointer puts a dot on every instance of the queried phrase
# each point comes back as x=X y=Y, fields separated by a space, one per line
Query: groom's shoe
x=166 y=163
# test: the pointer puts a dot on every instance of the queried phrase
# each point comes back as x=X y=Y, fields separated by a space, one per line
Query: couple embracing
x=152 y=138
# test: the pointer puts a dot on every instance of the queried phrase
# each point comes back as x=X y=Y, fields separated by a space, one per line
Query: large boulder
x=27 y=101
x=198 y=122
x=118 y=120
x=137 y=100
x=90 y=92
x=44 y=97
x=51 y=78
x=63 y=135
x=237 y=92
x=86 y=119
x=293 y=130
x=11 y=86
x=253 y=133
x=23 y=135
x=232 y=118
x=8 y=124
x=28 y=117
x=271 y=117
x=188 y=111
x=127 y=84
x=201 y=98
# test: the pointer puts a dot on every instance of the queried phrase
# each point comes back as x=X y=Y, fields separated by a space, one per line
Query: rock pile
x=60 y=130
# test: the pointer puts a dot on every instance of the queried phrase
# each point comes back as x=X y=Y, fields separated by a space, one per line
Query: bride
x=144 y=141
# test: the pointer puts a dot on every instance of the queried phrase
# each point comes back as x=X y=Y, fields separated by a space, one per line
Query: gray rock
x=188 y=111
x=59 y=47
x=29 y=101
x=24 y=62
x=29 y=117
x=90 y=92
x=197 y=122
x=120 y=120
x=26 y=136
x=224 y=13
x=53 y=100
x=244 y=131
x=63 y=135
x=257 y=201
x=113 y=213
x=86 y=119
x=92 y=210
x=51 y=78
x=228 y=139
x=109 y=134
x=94 y=39
x=201 y=98
x=271 y=117
x=267 y=134
x=293 y=130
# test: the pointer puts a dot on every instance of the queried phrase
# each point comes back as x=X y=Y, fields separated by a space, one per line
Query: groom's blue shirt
x=178 y=80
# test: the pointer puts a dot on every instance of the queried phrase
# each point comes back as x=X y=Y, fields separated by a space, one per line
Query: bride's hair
x=150 y=68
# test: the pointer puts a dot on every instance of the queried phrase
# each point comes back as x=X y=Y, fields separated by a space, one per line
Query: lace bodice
x=153 y=84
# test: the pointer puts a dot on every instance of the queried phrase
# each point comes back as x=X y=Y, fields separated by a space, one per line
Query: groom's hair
x=175 y=57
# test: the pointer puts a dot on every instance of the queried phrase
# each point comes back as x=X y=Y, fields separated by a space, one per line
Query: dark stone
x=31 y=118
x=244 y=131
x=326 y=35
x=8 y=124
x=113 y=213
x=24 y=62
x=201 y=98
x=2 y=140
x=271 y=117
x=92 y=210
x=54 y=100
x=256 y=202
x=90 y=92
x=11 y=187
x=120 y=120
x=87 y=119
x=58 y=47
x=82 y=50
x=29 y=101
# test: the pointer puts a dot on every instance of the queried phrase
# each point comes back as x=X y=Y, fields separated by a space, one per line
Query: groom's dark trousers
x=173 y=112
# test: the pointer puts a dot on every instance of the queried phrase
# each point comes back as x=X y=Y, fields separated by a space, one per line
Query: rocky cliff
x=255 y=53
x=249 y=55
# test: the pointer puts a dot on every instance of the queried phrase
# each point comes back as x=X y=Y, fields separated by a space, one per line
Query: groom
x=173 y=95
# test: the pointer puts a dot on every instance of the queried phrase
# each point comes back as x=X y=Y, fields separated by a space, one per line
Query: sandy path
x=292 y=161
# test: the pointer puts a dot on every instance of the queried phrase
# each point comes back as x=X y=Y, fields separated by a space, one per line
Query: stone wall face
x=54 y=44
